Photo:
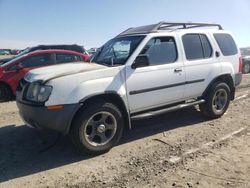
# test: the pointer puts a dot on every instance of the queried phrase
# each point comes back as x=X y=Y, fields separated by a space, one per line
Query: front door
x=160 y=83
x=26 y=64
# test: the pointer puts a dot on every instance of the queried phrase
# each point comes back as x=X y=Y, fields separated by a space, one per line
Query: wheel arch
x=227 y=78
x=110 y=96
x=6 y=84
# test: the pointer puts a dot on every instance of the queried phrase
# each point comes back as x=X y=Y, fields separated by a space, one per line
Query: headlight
x=38 y=93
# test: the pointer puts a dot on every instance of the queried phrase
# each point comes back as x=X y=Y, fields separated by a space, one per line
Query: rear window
x=226 y=44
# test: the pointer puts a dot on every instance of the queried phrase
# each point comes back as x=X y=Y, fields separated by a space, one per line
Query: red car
x=13 y=71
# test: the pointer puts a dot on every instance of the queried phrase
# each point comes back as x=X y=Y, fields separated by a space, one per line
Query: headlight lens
x=38 y=93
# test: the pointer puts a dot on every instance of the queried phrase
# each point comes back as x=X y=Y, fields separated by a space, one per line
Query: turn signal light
x=55 y=107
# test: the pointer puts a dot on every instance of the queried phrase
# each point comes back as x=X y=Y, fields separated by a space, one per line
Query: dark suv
x=72 y=47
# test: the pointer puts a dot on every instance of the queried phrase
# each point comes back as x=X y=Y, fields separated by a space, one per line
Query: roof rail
x=166 y=26
x=163 y=25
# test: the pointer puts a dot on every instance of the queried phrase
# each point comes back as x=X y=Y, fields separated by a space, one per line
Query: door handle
x=177 y=70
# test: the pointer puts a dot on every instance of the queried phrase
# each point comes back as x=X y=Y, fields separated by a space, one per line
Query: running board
x=165 y=110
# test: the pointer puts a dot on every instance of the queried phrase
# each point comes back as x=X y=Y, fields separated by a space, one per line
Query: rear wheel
x=217 y=100
x=97 y=128
x=5 y=93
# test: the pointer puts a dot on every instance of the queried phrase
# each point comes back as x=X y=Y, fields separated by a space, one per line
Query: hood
x=50 y=72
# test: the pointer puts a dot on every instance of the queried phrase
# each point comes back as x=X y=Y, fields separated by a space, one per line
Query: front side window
x=160 y=50
x=117 y=51
x=65 y=58
x=37 y=61
x=196 y=46
x=226 y=44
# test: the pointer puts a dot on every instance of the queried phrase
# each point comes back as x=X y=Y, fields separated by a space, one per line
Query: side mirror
x=18 y=68
x=140 y=61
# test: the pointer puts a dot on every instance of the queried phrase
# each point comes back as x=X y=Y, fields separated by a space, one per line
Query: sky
x=91 y=23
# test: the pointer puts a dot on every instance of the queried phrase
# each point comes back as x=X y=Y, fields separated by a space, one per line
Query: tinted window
x=64 y=58
x=37 y=60
x=206 y=46
x=226 y=44
x=197 y=46
x=193 y=47
x=160 y=50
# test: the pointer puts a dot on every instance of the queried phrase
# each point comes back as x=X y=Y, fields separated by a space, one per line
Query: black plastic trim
x=164 y=87
x=41 y=117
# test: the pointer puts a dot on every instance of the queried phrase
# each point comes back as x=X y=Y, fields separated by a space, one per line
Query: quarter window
x=160 y=50
x=226 y=44
x=197 y=46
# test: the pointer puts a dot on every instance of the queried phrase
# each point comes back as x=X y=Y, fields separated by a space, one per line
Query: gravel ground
x=179 y=149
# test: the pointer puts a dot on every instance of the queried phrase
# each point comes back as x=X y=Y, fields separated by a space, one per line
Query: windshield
x=117 y=51
x=13 y=60
x=27 y=50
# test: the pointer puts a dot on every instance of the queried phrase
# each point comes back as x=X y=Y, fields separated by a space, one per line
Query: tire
x=5 y=93
x=246 y=68
x=217 y=100
x=97 y=128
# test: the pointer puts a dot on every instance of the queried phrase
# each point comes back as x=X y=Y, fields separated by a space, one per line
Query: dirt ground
x=179 y=149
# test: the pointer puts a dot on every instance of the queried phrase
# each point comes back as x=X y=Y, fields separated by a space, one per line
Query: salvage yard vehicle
x=70 y=47
x=13 y=71
x=4 y=52
x=141 y=73
x=246 y=64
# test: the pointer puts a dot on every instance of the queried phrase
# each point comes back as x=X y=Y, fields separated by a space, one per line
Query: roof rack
x=166 y=26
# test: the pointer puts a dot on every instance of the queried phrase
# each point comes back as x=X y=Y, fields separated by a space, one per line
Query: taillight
x=240 y=64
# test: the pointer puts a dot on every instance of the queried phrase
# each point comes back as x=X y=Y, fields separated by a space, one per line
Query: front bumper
x=41 y=117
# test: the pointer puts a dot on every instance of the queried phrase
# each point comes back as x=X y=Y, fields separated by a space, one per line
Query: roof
x=166 y=26
x=55 y=51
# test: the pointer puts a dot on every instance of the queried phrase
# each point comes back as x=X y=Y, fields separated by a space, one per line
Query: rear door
x=201 y=63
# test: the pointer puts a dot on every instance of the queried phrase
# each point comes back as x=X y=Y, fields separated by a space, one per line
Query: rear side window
x=226 y=44
x=196 y=46
x=64 y=58
x=206 y=46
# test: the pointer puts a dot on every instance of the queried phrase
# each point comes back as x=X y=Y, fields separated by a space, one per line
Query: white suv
x=143 y=72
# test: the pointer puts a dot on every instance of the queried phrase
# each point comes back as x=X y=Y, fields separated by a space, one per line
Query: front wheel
x=217 y=100
x=97 y=128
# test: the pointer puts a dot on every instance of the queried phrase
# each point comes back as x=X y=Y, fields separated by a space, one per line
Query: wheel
x=246 y=68
x=5 y=93
x=97 y=128
x=217 y=100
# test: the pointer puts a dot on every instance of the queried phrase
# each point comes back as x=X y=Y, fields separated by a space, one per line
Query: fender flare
x=227 y=78
x=118 y=101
